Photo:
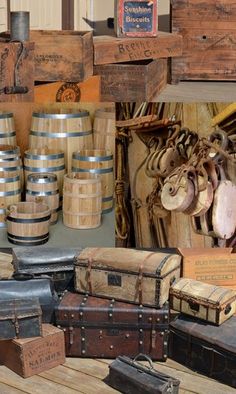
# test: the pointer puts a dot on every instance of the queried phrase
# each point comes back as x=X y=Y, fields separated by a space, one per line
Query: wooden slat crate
x=132 y=81
x=209 y=39
x=9 y=53
x=62 y=55
x=108 y=49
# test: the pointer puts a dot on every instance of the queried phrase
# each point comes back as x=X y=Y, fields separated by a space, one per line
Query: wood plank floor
x=86 y=376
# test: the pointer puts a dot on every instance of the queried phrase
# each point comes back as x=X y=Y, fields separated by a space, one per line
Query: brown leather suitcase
x=20 y=319
x=97 y=327
x=31 y=356
x=210 y=350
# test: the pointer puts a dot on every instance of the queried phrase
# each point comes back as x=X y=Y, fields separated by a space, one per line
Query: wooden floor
x=86 y=376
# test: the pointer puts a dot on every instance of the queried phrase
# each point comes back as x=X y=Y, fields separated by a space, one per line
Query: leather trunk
x=58 y=263
x=207 y=349
x=20 y=319
x=97 y=327
x=23 y=288
x=31 y=356
x=128 y=275
x=211 y=303
x=129 y=376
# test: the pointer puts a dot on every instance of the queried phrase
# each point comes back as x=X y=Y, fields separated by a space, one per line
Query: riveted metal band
x=5 y=135
x=10 y=193
x=32 y=241
x=28 y=221
x=6 y=115
x=9 y=152
x=42 y=194
x=45 y=178
x=81 y=317
x=60 y=135
x=9 y=169
x=10 y=180
x=81 y=114
x=77 y=156
x=93 y=170
x=49 y=169
x=44 y=157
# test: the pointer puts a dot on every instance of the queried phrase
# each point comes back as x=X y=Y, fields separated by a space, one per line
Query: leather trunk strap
x=140 y=278
x=89 y=270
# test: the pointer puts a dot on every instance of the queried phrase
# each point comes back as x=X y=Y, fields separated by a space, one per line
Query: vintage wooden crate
x=136 y=18
x=132 y=81
x=31 y=356
x=62 y=55
x=11 y=72
x=65 y=92
x=108 y=49
x=209 y=39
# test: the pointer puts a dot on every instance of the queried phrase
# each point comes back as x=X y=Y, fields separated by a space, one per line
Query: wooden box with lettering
x=28 y=357
x=136 y=18
x=62 y=55
x=132 y=81
x=16 y=70
x=209 y=40
x=108 y=49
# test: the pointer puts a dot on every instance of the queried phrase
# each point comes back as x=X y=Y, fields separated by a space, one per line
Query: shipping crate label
x=137 y=16
x=46 y=352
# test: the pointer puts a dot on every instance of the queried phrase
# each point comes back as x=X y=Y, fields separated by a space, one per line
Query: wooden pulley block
x=203 y=200
x=168 y=161
x=177 y=197
x=224 y=210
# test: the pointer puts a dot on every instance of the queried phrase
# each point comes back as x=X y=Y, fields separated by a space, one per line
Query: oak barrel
x=44 y=160
x=28 y=223
x=82 y=201
x=104 y=129
x=67 y=132
x=10 y=192
x=98 y=162
x=7 y=129
x=44 y=187
x=10 y=160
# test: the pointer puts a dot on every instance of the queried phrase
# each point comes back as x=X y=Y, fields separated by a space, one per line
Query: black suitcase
x=20 y=319
x=205 y=348
x=58 y=263
x=129 y=377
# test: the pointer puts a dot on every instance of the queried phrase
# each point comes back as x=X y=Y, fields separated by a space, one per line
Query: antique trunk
x=136 y=18
x=58 y=263
x=132 y=81
x=20 y=318
x=209 y=39
x=16 y=70
x=63 y=55
x=108 y=49
x=211 y=303
x=23 y=288
x=31 y=356
x=207 y=349
x=97 y=327
x=128 y=275
x=130 y=376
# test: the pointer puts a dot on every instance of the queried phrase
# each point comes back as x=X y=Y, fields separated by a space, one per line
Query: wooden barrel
x=44 y=160
x=7 y=129
x=104 y=130
x=67 y=132
x=98 y=162
x=82 y=201
x=10 y=192
x=44 y=188
x=10 y=160
x=28 y=223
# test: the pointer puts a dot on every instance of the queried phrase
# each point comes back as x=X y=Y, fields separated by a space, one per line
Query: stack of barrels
x=68 y=164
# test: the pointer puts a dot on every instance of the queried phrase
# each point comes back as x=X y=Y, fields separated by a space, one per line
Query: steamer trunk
x=207 y=349
x=96 y=327
x=209 y=39
x=132 y=81
x=128 y=275
x=28 y=357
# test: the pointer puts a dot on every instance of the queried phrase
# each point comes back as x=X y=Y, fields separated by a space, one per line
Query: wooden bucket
x=44 y=160
x=10 y=192
x=104 y=130
x=98 y=162
x=10 y=160
x=44 y=188
x=28 y=223
x=7 y=129
x=82 y=201
x=66 y=132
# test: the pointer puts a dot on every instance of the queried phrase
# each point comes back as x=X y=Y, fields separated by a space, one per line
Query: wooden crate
x=108 y=49
x=9 y=53
x=132 y=81
x=136 y=18
x=62 y=92
x=62 y=55
x=209 y=40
